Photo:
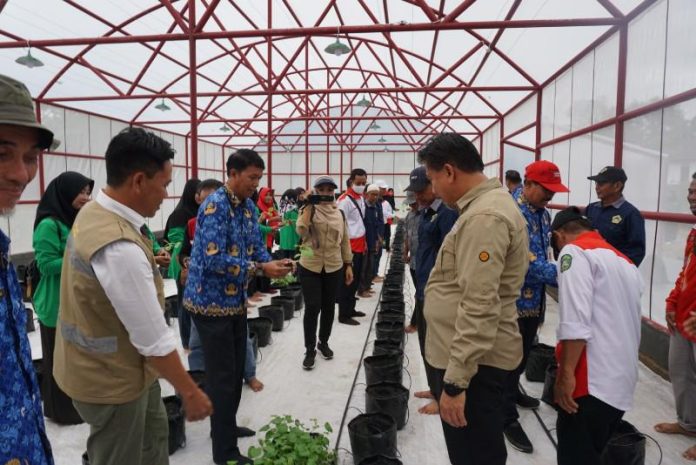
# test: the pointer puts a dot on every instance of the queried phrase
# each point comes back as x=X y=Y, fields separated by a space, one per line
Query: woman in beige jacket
x=326 y=260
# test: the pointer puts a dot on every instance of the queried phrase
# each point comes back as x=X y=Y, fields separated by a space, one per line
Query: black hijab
x=186 y=209
x=59 y=196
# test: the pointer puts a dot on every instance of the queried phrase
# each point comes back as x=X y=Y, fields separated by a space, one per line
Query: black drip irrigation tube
x=357 y=372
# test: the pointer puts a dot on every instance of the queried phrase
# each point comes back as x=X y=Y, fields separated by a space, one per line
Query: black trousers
x=583 y=436
x=224 y=342
x=387 y=236
x=367 y=272
x=481 y=442
x=319 y=290
x=528 y=329
x=346 y=294
x=57 y=405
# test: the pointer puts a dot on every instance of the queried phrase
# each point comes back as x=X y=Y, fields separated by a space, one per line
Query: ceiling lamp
x=374 y=125
x=162 y=106
x=386 y=149
x=382 y=139
x=338 y=48
x=225 y=128
x=29 y=61
x=363 y=102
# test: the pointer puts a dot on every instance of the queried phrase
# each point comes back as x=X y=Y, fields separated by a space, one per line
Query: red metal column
x=42 y=179
x=269 y=109
x=537 y=149
x=307 y=164
x=501 y=155
x=620 y=95
x=193 y=89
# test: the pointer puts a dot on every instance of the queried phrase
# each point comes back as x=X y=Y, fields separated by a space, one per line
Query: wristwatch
x=452 y=390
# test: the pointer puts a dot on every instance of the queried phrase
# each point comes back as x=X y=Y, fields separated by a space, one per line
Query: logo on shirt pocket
x=616 y=219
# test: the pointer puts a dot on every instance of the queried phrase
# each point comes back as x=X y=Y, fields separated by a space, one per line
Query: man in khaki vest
x=112 y=341
x=472 y=341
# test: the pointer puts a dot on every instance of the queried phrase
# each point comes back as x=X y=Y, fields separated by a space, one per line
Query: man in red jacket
x=681 y=320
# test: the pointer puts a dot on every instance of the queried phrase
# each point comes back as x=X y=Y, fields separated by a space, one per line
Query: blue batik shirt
x=541 y=272
x=226 y=247
x=436 y=222
x=22 y=431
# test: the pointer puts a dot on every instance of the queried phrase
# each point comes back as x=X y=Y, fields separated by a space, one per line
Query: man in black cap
x=436 y=221
x=619 y=222
x=598 y=336
x=22 y=141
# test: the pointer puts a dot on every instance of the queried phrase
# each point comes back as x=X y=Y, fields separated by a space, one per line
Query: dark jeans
x=583 y=436
x=319 y=290
x=387 y=236
x=375 y=263
x=183 y=316
x=481 y=442
x=224 y=342
x=367 y=272
x=346 y=294
x=528 y=329
x=57 y=405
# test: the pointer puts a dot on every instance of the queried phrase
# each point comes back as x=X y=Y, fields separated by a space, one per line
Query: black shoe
x=243 y=432
x=526 y=402
x=308 y=362
x=356 y=313
x=348 y=321
x=325 y=351
x=239 y=460
x=518 y=438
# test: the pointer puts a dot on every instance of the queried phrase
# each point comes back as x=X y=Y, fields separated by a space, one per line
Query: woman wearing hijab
x=288 y=235
x=269 y=222
x=64 y=197
x=323 y=229
x=174 y=231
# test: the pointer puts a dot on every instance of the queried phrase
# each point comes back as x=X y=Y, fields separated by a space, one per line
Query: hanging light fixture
x=28 y=60
x=386 y=149
x=374 y=125
x=338 y=48
x=363 y=102
x=382 y=139
x=225 y=128
x=162 y=106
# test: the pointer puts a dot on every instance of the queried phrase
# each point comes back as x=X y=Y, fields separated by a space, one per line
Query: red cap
x=545 y=173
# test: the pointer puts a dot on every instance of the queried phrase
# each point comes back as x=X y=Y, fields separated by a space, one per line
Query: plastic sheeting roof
x=435 y=64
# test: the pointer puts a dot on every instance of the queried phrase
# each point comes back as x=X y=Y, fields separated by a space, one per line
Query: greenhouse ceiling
x=234 y=72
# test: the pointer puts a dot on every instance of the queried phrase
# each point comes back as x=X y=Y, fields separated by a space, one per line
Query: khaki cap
x=17 y=109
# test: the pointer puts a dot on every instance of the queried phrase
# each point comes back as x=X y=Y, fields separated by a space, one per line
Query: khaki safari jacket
x=470 y=296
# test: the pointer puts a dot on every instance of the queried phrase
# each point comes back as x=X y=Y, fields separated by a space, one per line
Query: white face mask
x=359 y=189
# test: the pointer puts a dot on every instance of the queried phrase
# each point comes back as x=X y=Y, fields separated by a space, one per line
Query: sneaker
x=244 y=432
x=348 y=321
x=308 y=362
x=524 y=401
x=518 y=438
x=325 y=351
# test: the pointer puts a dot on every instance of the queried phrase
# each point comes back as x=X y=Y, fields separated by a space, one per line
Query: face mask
x=359 y=189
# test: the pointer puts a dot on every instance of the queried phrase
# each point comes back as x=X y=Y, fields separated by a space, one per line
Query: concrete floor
x=323 y=394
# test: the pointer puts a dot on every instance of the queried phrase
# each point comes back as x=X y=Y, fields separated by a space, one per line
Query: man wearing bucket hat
x=22 y=139
x=598 y=337
x=542 y=180
x=618 y=221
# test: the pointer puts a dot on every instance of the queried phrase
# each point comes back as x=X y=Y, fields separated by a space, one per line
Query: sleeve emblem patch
x=566 y=262
x=484 y=256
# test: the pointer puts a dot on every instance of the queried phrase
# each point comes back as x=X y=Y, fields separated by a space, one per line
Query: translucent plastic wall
x=289 y=168
x=658 y=146
x=84 y=139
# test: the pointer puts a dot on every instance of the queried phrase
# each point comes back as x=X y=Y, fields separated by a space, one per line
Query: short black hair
x=244 y=158
x=209 y=184
x=452 y=148
x=693 y=176
x=576 y=226
x=513 y=176
x=357 y=172
x=290 y=194
x=133 y=150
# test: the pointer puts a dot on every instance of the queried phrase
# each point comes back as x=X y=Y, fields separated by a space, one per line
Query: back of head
x=243 y=159
x=209 y=185
x=571 y=221
x=513 y=176
x=453 y=149
x=134 y=150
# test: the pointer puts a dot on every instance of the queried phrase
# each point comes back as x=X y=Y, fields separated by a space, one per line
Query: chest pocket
x=447 y=256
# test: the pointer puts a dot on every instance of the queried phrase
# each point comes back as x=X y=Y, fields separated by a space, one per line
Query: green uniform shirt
x=288 y=235
x=50 y=237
